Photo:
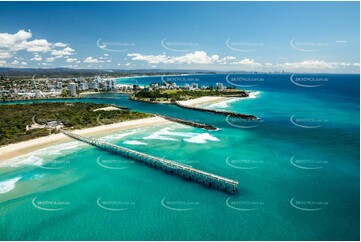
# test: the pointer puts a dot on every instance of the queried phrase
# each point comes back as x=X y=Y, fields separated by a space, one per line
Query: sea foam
x=39 y=157
x=190 y=137
x=8 y=185
x=165 y=133
x=201 y=138
x=224 y=104
x=134 y=142
x=117 y=136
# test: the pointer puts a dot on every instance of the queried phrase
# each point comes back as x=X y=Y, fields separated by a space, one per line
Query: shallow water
x=298 y=173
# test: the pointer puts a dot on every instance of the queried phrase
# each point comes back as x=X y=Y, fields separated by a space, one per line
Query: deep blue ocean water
x=298 y=170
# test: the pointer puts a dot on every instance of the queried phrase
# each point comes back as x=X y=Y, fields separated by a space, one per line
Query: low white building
x=186 y=87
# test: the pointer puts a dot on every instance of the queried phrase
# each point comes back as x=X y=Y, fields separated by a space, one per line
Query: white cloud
x=38 y=45
x=11 y=44
x=309 y=64
x=227 y=58
x=14 y=42
x=197 y=57
x=36 y=58
x=19 y=41
x=319 y=65
x=60 y=44
x=106 y=55
x=247 y=62
x=15 y=62
x=70 y=60
x=91 y=60
x=50 y=59
x=2 y=62
x=5 y=55
x=65 y=51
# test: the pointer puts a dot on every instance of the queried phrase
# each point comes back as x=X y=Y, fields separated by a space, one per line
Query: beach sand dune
x=22 y=148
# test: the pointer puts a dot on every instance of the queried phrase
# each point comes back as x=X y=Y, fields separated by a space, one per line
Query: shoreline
x=214 y=99
x=22 y=148
x=204 y=100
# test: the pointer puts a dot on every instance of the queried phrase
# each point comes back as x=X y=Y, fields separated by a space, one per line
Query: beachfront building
x=38 y=94
x=83 y=86
x=219 y=86
x=195 y=86
x=93 y=85
x=154 y=85
x=109 y=85
x=98 y=79
x=72 y=88
x=54 y=125
x=59 y=85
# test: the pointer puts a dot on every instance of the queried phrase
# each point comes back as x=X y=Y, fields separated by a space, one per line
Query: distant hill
x=6 y=71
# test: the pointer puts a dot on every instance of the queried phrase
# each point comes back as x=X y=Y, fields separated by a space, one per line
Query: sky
x=316 y=37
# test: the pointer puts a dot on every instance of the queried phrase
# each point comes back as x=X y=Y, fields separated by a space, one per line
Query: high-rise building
x=109 y=84
x=59 y=85
x=219 y=86
x=72 y=88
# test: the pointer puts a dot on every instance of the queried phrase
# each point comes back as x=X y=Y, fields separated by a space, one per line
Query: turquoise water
x=298 y=172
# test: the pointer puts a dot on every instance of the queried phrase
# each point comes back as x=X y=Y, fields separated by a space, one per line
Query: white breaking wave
x=201 y=138
x=189 y=137
x=224 y=104
x=39 y=157
x=57 y=149
x=134 y=142
x=164 y=134
x=253 y=94
x=117 y=136
x=8 y=185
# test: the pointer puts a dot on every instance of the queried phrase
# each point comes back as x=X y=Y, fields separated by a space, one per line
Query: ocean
x=298 y=169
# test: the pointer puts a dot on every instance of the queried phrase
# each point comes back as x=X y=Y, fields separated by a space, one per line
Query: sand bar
x=204 y=100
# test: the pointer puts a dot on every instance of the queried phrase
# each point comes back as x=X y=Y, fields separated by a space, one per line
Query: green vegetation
x=65 y=93
x=14 y=118
x=181 y=95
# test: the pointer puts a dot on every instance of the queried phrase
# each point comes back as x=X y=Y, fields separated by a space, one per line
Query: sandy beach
x=203 y=100
x=22 y=148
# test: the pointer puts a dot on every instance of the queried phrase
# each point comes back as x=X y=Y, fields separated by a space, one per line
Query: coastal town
x=47 y=88
x=72 y=87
